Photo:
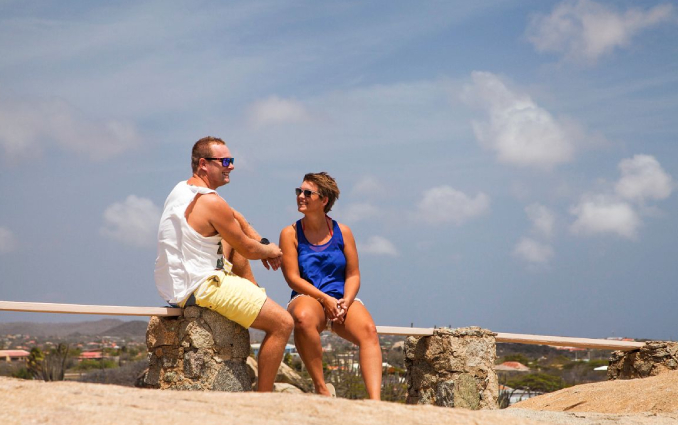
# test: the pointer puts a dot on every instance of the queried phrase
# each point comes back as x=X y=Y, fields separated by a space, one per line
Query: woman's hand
x=335 y=311
x=344 y=304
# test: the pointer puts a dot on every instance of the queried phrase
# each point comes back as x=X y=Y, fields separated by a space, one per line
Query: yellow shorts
x=231 y=296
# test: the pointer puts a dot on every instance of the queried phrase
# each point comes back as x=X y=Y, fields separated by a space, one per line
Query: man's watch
x=264 y=241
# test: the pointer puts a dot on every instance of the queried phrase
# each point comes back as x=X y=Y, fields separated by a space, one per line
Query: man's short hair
x=327 y=187
x=203 y=149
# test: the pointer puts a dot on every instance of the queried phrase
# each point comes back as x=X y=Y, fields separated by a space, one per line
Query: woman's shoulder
x=289 y=231
x=344 y=228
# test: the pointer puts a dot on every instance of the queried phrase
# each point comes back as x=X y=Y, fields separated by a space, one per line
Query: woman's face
x=312 y=203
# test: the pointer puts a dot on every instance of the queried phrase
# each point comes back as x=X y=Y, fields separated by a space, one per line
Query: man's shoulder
x=211 y=200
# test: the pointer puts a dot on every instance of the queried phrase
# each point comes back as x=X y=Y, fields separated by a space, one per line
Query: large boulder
x=201 y=350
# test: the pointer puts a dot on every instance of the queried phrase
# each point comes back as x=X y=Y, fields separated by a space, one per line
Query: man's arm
x=222 y=218
x=252 y=233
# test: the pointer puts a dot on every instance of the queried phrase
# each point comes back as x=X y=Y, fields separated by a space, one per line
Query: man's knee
x=273 y=318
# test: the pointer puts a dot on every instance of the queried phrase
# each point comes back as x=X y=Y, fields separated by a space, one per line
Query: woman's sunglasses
x=307 y=193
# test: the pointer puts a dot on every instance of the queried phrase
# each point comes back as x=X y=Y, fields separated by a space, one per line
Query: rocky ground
x=643 y=401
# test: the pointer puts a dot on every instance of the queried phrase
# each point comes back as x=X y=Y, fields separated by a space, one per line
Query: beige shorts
x=231 y=296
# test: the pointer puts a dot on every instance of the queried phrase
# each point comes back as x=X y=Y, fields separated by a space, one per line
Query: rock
x=281 y=387
x=452 y=368
x=654 y=358
x=253 y=370
x=200 y=350
x=285 y=375
x=289 y=376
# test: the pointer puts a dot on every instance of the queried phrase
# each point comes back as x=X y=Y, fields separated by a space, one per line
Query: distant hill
x=129 y=329
x=103 y=327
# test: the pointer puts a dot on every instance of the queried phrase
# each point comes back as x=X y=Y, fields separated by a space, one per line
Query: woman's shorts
x=233 y=297
x=328 y=322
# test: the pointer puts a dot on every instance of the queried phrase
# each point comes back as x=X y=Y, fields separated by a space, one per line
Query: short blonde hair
x=327 y=187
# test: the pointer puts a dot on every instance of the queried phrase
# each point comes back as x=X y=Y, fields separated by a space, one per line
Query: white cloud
x=358 y=212
x=587 y=30
x=8 y=241
x=532 y=251
x=368 y=186
x=519 y=131
x=27 y=128
x=133 y=222
x=542 y=219
x=445 y=204
x=378 y=245
x=643 y=178
x=602 y=214
x=274 y=110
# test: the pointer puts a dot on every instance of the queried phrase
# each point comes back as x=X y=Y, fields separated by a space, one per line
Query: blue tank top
x=323 y=265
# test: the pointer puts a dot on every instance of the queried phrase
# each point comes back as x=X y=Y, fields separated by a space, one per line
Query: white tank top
x=185 y=257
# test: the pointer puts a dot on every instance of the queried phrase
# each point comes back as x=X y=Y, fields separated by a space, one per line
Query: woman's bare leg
x=309 y=322
x=359 y=328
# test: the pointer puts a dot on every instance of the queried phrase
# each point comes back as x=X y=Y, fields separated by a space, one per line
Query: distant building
x=512 y=367
x=10 y=356
x=91 y=355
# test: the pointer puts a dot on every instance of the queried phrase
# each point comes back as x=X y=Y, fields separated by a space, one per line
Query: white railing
x=559 y=341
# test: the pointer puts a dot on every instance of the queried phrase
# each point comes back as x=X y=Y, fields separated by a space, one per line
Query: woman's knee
x=305 y=319
x=367 y=334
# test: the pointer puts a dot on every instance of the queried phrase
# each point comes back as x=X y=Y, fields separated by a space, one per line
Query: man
x=198 y=233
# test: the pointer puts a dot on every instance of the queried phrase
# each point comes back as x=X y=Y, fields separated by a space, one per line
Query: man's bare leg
x=241 y=266
x=278 y=325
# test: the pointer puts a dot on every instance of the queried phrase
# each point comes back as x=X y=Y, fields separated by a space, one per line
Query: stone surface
x=656 y=394
x=452 y=368
x=201 y=350
x=282 y=387
x=654 y=358
x=96 y=404
x=287 y=375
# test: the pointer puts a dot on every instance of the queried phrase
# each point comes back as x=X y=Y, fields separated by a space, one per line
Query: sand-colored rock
x=72 y=403
x=27 y=402
x=656 y=394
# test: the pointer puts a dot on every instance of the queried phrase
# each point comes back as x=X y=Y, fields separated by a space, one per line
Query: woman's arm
x=290 y=269
x=352 y=285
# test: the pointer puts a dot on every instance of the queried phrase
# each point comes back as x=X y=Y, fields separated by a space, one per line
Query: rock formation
x=654 y=358
x=201 y=350
x=453 y=368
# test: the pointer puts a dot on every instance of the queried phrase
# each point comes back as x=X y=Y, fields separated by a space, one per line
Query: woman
x=320 y=264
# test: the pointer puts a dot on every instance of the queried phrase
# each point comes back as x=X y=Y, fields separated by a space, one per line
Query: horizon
x=510 y=165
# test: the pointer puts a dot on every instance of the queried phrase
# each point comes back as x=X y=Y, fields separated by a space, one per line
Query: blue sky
x=505 y=164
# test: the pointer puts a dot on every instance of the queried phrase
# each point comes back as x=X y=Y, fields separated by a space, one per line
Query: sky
x=504 y=164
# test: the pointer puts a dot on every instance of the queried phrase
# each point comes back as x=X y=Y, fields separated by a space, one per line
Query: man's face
x=217 y=174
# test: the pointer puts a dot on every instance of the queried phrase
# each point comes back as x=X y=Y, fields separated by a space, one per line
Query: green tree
x=34 y=363
x=540 y=382
x=54 y=364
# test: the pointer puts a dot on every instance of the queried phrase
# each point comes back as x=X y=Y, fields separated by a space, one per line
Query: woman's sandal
x=331 y=389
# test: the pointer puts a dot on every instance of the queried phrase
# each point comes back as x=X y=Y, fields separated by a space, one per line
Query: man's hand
x=275 y=259
x=272 y=263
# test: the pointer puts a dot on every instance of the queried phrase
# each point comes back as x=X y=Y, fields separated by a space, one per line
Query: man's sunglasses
x=307 y=193
x=225 y=162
